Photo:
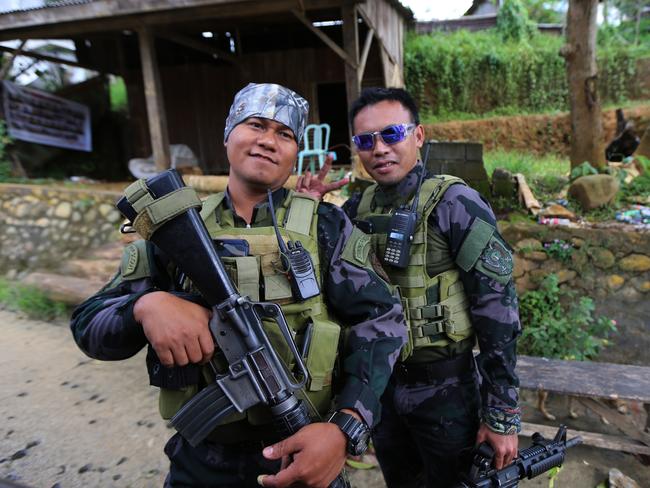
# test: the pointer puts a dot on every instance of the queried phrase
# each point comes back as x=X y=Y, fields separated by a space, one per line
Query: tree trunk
x=580 y=55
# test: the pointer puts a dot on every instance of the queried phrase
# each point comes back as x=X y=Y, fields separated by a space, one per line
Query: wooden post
x=351 y=47
x=154 y=99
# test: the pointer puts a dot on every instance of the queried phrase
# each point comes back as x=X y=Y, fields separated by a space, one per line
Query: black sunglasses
x=391 y=134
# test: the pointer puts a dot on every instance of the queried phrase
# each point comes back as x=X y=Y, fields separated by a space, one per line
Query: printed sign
x=38 y=116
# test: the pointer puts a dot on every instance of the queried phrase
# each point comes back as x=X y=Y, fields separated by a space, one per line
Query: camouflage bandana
x=268 y=101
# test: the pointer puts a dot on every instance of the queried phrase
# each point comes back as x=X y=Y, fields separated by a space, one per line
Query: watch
x=355 y=430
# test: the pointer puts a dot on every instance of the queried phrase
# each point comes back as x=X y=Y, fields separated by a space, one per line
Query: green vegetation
x=559 y=324
x=117 y=90
x=546 y=175
x=30 y=301
x=510 y=69
x=5 y=165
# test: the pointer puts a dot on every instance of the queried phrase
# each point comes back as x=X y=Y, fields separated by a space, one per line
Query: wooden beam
x=351 y=46
x=197 y=46
x=111 y=15
x=45 y=57
x=615 y=443
x=154 y=99
x=371 y=25
x=364 y=53
x=323 y=37
x=10 y=62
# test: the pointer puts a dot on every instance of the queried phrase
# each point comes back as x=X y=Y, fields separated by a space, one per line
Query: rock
x=538 y=275
x=619 y=480
x=556 y=210
x=643 y=287
x=537 y=256
x=63 y=210
x=565 y=275
x=635 y=262
x=522 y=266
x=602 y=258
x=503 y=184
x=593 y=191
x=529 y=244
x=614 y=282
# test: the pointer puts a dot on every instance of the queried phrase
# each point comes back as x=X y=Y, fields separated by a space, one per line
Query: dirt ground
x=69 y=421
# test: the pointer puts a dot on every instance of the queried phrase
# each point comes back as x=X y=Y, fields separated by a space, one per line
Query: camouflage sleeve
x=103 y=326
x=362 y=301
x=493 y=299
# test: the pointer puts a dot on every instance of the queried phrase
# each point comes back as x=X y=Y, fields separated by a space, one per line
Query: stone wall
x=41 y=226
x=611 y=265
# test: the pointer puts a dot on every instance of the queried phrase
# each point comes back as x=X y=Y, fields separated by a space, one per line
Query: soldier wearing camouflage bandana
x=457 y=288
x=148 y=304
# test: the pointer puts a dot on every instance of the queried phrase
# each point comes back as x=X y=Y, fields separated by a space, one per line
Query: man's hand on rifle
x=313 y=457
x=315 y=185
x=504 y=446
x=177 y=329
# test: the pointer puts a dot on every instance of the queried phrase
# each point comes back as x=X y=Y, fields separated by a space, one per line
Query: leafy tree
x=513 y=23
x=545 y=11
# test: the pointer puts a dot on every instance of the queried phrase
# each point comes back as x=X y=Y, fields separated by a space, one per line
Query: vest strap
x=301 y=212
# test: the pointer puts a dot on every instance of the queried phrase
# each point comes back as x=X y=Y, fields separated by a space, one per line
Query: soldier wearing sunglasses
x=456 y=290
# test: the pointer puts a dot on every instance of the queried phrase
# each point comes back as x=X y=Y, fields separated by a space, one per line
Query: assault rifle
x=255 y=373
x=541 y=456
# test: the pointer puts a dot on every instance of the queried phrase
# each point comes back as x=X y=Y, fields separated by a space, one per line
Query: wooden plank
x=603 y=441
x=154 y=98
x=526 y=195
x=585 y=378
x=10 y=62
x=351 y=61
x=45 y=57
x=364 y=54
x=351 y=46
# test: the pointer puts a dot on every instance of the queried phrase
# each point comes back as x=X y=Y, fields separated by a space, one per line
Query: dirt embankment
x=531 y=133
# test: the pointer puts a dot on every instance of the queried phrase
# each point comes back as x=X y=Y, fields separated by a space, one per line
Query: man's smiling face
x=388 y=164
x=261 y=152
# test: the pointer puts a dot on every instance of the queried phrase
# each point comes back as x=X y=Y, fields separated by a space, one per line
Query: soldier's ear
x=419 y=135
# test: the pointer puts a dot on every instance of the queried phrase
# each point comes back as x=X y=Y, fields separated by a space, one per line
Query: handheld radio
x=402 y=227
x=296 y=262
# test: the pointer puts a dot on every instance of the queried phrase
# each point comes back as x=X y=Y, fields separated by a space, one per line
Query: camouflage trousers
x=427 y=431
x=216 y=465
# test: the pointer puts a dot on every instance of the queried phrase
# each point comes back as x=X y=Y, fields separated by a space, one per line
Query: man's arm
x=132 y=311
x=493 y=308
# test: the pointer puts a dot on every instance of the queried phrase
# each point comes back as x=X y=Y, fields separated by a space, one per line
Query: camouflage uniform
x=428 y=420
x=104 y=328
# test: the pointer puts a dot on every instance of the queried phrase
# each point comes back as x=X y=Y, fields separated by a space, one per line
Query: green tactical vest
x=433 y=297
x=260 y=276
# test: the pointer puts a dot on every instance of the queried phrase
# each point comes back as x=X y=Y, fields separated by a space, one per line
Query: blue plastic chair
x=317 y=137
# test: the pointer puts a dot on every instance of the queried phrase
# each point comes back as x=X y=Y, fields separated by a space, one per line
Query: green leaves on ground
x=30 y=301
x=560 y=324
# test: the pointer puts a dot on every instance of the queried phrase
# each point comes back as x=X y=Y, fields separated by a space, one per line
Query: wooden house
x=182 y=61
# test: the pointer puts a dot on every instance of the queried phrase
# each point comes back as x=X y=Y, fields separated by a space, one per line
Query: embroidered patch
x=361 y=248
x=497 y=258
x=130 y=261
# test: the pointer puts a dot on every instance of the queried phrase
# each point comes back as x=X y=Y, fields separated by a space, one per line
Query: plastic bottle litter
x=637 y=215
x=553 y=221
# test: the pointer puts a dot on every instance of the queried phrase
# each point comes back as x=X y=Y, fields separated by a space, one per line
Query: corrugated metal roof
x=29 y=5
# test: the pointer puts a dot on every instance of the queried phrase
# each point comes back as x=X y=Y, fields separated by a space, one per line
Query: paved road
x=69 y=421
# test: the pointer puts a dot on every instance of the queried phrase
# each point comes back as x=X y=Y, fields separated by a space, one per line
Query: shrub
x=30 y=301
x=561 y=328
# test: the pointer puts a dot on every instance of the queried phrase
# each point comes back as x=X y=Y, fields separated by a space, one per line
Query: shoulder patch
x=357 y=248
x=496 y=258
x=135 y=261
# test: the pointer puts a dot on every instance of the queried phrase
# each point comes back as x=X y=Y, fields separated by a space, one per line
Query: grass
x=30 y=301
x=530 y=165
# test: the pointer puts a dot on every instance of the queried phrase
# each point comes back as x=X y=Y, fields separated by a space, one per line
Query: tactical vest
x=260 y=276
x=436 y=307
